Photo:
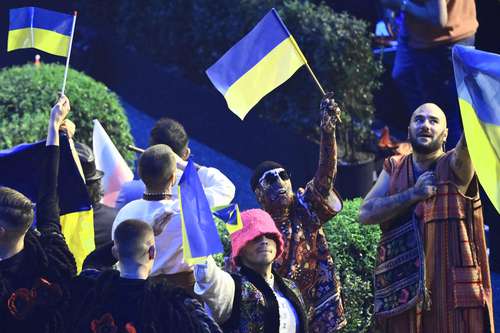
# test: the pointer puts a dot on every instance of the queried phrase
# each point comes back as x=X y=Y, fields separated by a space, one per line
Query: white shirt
x=216 y=288
x=169 y=258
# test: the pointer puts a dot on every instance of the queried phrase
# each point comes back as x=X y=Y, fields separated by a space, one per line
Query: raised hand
x=59 y=111
x=330 y=113
x=425 y=187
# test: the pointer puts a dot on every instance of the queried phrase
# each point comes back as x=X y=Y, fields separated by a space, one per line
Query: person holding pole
x=306 y=259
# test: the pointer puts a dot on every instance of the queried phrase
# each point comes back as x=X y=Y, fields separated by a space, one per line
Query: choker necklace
x=156 y=196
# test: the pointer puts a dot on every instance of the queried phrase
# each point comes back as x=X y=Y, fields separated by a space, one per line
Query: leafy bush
x=28 y=92
x=353 y=247
x=337 y=46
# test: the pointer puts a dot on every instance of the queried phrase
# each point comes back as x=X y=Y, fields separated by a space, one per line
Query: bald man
x=432 y=272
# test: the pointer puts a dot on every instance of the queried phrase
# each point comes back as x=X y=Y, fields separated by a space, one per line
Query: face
x=259 y=251
x=274 y=189
x=427 y=131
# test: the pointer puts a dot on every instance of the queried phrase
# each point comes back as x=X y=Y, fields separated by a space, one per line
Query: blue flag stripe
x=478 y=74
x=20 y=18
x=244 y=55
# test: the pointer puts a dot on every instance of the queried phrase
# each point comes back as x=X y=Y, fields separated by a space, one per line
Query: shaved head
x=157 y=165
x=427 y=131
x=133 y=239
x=431 y=109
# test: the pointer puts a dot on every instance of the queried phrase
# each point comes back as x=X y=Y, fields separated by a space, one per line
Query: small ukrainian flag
x=260 y=62
x=46 y=30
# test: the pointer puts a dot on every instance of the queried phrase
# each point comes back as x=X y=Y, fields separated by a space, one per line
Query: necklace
x=156 y=196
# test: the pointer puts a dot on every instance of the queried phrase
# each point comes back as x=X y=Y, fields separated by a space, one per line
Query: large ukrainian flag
x=20 y=170
x=46 y=30
x=265 y=58
x=477 y=75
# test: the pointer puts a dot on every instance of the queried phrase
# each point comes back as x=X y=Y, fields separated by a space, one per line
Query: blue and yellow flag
x=265 y=58
x=199 y=232
x=20 y=167
x=46 y=30
x=477 y=75
x=230 y=215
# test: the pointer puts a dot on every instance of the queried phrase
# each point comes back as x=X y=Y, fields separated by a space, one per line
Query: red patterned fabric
x=457 y=269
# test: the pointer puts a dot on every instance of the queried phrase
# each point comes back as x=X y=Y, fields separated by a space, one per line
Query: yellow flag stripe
x=45 y=40
x=78 y=230
x=481 y=141
x=270 y=72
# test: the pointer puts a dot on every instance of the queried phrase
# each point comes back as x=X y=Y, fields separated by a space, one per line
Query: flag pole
x=69 y=54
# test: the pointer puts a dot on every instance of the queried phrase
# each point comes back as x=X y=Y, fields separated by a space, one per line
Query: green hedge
x=337 y=45
x=28 y=92
x=353 y=247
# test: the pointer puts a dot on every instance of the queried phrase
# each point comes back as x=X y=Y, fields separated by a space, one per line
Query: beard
x=425 y=148
x=431 y=147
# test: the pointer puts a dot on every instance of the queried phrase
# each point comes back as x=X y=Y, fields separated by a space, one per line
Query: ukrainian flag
x=265 y=58
x=46 y=30
x=199 y=232
x=230 y=215
x=477 y=75
x=20 y=171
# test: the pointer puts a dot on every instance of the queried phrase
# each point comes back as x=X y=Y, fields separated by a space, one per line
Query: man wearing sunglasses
x=306 y=258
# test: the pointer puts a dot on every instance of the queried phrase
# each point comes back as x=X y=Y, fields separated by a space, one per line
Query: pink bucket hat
x=256 y=222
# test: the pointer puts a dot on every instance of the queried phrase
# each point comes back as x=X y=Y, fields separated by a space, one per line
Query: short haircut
x=16 y=210
x=157 y=165
x=130 y=237
x=169 y=132
x=259 y=171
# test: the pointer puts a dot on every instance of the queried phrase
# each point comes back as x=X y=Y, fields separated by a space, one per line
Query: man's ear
x=152 y=252
x=186 y=153
x=114 y=251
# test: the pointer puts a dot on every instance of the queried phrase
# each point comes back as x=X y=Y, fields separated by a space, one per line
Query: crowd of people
x=431 y=275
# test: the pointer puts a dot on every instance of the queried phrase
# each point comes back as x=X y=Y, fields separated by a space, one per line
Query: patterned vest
x=255 y=308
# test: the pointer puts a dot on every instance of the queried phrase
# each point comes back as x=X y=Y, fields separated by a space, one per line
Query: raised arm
x=378 y=208
x=461 y=163
x=47 y=212
x=434 y=12
x=327 y=166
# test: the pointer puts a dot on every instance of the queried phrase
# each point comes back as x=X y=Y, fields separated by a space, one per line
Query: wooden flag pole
x=69 y=54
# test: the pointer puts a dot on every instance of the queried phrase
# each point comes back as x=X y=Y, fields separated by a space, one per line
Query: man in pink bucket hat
x=254 y=298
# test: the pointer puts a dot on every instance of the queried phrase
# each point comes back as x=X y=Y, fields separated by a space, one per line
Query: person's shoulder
x=391 y=163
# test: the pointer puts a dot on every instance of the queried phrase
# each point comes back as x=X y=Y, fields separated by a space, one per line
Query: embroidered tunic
x=307 y=261
x=456 y=264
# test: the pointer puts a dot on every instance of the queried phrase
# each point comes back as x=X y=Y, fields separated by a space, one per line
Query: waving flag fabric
x=265 y=58
x=109 y=160
x=46 y=30
x=199 y=232
x=477 y=75
x=230 y=215
x=20 y=170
